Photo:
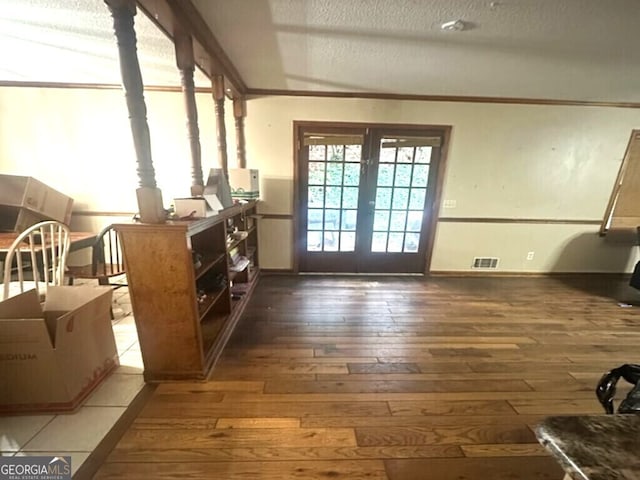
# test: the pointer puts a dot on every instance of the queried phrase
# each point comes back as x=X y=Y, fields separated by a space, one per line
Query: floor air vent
x=485 y=262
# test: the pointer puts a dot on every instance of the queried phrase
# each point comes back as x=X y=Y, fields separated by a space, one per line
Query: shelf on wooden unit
x=235 y=243
x=207 y=264
x=210 y=328
x=212 y=298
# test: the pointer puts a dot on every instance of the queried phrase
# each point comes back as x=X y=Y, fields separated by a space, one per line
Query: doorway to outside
x=367 y=196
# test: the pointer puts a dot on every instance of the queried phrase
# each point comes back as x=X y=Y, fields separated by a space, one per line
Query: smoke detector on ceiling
x=453 y=26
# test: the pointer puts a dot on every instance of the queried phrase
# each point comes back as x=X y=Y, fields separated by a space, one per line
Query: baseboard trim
x=460 y=273
x=532 y=221
x=276 y=271
x=466 y=273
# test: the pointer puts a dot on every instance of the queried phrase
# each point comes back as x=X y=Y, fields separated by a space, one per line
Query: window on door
x=401 y=191
x=333 y=171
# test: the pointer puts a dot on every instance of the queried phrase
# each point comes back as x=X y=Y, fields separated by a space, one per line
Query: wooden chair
x=37 y=258
x=106 y=260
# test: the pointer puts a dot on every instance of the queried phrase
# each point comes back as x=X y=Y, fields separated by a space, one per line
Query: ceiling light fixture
x=453 y=26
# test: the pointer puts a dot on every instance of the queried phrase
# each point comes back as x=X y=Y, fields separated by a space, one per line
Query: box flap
x=52 y=319
x=66 y=299
x=24 y=305
x=218 y=185
x=213 y=202
x=198 y=207
x=64 y=304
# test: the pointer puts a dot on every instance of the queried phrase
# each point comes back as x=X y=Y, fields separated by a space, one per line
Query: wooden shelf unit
x=184 y=315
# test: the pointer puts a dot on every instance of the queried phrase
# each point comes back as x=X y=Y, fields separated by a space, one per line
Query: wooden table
x=79 y=240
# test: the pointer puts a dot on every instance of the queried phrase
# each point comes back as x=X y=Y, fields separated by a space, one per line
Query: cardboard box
x=25 y=201
x=244 y=183
x=15 y=219
x=197 y=207
x=52 y=358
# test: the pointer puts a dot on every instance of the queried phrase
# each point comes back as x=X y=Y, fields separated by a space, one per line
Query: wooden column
x=239 y=113
x=186 y=64
x=218 y=96
x=148 y=194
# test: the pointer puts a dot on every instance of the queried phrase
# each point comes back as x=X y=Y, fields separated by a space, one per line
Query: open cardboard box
x=197 y=207
x=53 y=357
x=25 y=201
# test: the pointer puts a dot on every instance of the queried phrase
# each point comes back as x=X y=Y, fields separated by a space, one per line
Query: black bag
x=606 y=389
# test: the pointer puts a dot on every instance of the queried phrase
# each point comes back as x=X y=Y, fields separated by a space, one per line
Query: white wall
x=505 y=161
x=79 y=142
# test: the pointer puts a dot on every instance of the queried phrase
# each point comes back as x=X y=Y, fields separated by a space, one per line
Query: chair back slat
x=46 y=254
x=34 y=261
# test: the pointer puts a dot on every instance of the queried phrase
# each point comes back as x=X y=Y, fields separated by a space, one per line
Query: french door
x=365 y=197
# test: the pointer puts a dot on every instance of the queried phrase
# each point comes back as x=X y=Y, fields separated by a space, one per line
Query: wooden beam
x=183 y=44
x=149 y=196
x=186 y=65
x=239 y=113
x=218 y=86
x=208 y=54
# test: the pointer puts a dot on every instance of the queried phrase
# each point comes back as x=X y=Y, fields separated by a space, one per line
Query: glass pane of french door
x=400 y=194
x=333 y=172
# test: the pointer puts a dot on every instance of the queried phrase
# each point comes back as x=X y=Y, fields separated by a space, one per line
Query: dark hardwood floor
x=388 y=378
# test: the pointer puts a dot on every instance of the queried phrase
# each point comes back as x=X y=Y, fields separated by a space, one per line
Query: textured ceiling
x=552 y=49
x=72 y=41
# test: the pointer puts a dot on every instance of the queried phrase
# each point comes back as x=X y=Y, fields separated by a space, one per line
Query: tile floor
x=78 y=433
